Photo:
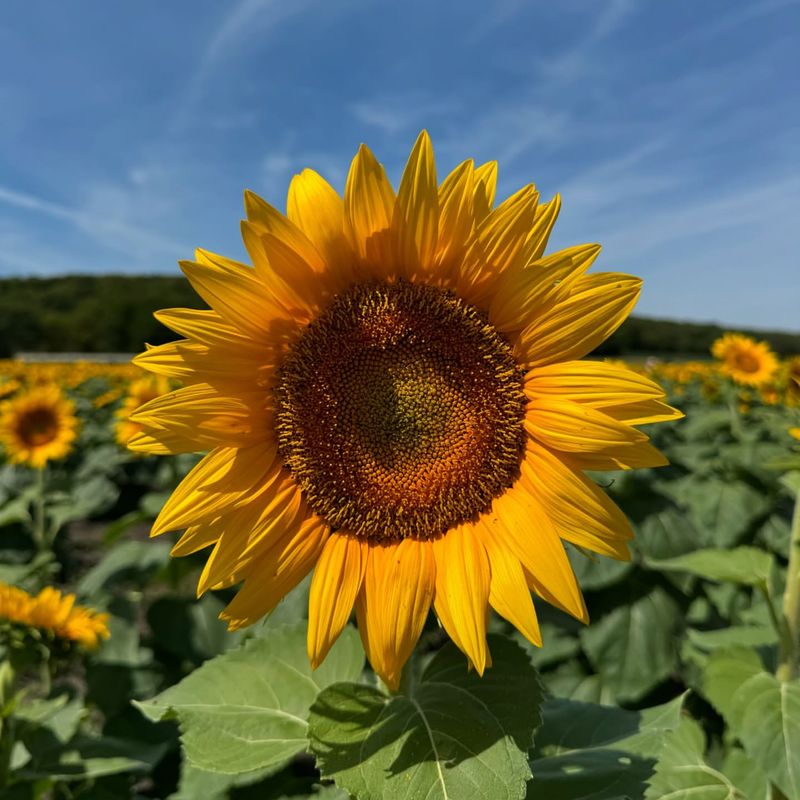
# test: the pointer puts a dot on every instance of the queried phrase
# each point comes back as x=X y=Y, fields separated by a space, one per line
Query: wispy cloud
x=100 y=226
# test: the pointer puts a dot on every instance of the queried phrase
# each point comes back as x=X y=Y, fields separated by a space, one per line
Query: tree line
x=114 y=313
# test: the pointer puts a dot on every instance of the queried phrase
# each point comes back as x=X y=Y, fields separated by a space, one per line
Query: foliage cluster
x=670 y=692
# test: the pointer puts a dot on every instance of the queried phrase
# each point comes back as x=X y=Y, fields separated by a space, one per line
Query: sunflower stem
x=790 y=644
x=7 y=680
x=38 y=530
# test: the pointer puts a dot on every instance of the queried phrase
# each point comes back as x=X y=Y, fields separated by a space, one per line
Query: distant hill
x=114 y=313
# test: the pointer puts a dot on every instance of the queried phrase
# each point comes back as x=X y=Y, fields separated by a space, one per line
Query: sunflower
x=38 y=426
x=140 y=391
x=744 y=359
x=54 y=613
x=393 y=397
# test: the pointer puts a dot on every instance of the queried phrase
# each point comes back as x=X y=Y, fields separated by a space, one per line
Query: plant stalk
x=38 y=531
x=789 y=656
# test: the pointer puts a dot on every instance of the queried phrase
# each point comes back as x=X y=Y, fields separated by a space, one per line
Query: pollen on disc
x=399 y=412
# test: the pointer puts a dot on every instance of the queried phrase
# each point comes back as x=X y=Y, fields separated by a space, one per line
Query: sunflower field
x=434 y=548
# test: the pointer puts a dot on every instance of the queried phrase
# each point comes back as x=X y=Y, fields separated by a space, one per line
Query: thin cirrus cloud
x=670 y=131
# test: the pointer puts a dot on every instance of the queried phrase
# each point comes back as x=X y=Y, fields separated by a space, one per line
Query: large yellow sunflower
x=744 y=359
x=393 y=397
x=38 y=426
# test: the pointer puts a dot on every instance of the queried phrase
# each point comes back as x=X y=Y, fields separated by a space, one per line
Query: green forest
x=113 y=313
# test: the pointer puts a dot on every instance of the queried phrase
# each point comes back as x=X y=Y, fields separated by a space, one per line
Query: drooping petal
x=207 y=327
x=509 y=594
x=225 y=478
x=580 y=510
x=393 y=604
x=276 y=573
x=637 y=456
x=463 y=582
x=334 y=588
x=416 y=213
x=528 y=531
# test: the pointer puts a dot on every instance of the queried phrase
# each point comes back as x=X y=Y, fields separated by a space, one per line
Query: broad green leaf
x=247 y=709
x=597 y=572
x=746 y=775
x=568 y=725
x=126 y=559
x=681 y=773
x=724 y=510
x=456 y=735
x=633 y=647
x=598 y=752
x=558 y=646
x=747 y=566
x=765 y=715
x=666 y=533
x=725 y=672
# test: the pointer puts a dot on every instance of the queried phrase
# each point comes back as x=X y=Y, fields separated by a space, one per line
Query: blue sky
x=672 y=130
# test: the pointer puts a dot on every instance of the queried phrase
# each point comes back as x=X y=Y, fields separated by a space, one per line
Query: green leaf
x=682 y=773
x=746 y=775
x=603 y=752
x=247 y=709
x=666 y=533
x=633 y=647
x=568 y=725
x=595 y=572
x=747 y=566
x=456 y=735
x=725 y=672
x=724 y=510
x=124 y=560
x=765 y=715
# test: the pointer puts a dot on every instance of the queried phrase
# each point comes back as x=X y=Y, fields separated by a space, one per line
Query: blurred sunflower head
x=393 y=396
x=54 y=613
x=745 y=360
x=38 y=426
x=140 y=391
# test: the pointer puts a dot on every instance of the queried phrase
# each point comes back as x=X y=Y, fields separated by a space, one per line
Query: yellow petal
x=580 y=510
x=206 y=327
x=393 y=604
x=369 y=206
x=637 y=456
x=524 y=294
x=509 y=594
x=526 y=529
x=287 y=277
x=462 y=591
x=455 y=217
x=598 y=384
x=316 y=208
x=271 y=577
x=496 y=245
x=572 y=427
x=196 y=538
x=270 y=220
x=334 y=588
x=416 y=212
x=237 y=296
x=596 y=307
x=196 y=363
x=225 y=478
x=485 y=189
x=543 y=222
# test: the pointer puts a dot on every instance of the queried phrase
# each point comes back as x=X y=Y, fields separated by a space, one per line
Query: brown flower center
x=37 y=427
x=399 y=412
